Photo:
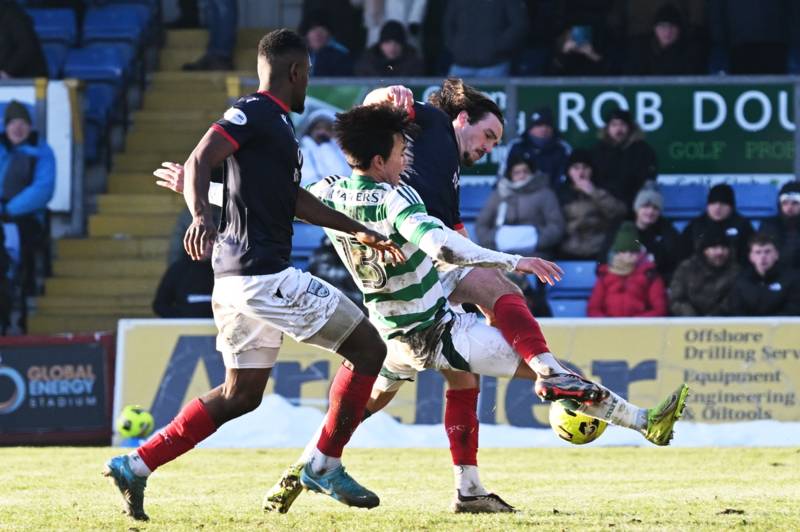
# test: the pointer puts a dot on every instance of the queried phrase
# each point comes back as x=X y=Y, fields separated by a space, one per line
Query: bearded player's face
x=479 y=138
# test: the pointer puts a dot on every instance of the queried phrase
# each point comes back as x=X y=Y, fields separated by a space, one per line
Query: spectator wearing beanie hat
x=720 y=211
x=624 y=161
x=328 y=56
x=666 y=51
x=702 y=283
x=784 y=228
x=629 y=285
x=589 y=210
x=27 y=182
x=392 y=56
x=542 y=145
x=658 y=236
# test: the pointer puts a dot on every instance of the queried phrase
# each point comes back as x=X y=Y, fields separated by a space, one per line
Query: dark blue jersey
x=434 y=164
x=260 y=188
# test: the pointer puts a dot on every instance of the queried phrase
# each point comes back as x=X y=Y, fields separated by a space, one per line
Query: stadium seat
x=470 y=227
x=55 y=25
x=56 y=56
x=104 y=64
x=115 y=23
x=756 y=200
x=578 y=280
x=473 y=197
x=568 y=308
x=305 y=240
x=683 y=201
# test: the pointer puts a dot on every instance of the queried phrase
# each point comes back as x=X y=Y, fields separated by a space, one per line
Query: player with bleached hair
x=408 y=302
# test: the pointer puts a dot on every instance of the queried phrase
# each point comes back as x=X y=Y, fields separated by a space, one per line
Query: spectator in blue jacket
x=329 y=57
x=542 y=147
x=27 y=180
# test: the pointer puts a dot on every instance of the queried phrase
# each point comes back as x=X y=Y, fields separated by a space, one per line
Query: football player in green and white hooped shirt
x=407 y=302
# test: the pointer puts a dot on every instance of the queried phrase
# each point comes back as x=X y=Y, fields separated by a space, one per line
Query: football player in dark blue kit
x=258 y=296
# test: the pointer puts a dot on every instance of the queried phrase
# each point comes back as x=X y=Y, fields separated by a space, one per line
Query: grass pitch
x=554 y=489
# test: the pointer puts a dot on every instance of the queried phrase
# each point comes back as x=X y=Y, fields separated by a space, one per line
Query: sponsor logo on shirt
x=235 y=116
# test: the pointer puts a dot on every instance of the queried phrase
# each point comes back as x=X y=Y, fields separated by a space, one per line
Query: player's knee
x=242 y=401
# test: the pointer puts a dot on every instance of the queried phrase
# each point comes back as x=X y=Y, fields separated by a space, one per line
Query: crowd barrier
x=738 y=369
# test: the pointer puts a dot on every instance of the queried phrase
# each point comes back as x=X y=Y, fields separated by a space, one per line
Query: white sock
x=618 y=411
x=545 y=364
x=138 y=466
x=311 y=446
x=468 y=481
x=322 y=463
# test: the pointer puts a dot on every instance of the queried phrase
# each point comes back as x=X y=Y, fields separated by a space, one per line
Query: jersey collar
x=360 y=177
x=277 y=100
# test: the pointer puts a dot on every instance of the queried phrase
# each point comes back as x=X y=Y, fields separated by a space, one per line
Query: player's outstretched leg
x=655 y=424
x=130 y=485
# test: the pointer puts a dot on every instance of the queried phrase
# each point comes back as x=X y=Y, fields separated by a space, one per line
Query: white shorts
x=253 y=312
x=464 y=342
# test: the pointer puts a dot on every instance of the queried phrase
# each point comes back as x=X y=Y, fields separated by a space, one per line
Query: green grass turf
x=555 y=489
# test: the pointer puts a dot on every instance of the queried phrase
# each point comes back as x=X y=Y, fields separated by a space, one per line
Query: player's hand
x=547 y=272
x=199 y=238
x=170 y=176
x=401 y=97
x=382 y=245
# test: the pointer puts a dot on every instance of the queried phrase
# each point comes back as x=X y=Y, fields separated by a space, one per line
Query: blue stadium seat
x=305 y=240
x=104 y=64
x=470 y=227
x=568 y=308
x=756 y=200
x=55 y=25
x=578 y=280
x=115 y=23
x=473 y=197
x=683 y=201
x=56 y=56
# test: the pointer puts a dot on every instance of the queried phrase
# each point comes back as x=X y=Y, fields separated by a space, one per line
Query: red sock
x=461 y=424
x=349 y=394
x=519 y=327
x=191 y=426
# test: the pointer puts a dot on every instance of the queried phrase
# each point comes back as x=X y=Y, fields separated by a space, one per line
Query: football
x=573 y=426
x=134 y=422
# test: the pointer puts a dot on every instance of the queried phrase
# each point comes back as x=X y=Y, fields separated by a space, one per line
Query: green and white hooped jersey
x=400 y=298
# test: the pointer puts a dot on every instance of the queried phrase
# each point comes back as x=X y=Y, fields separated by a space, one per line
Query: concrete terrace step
x=55 y=324
x=246 y=38
x=143 y=183
x=145 y=162
x=166 y=203
x=101 y=286
x=112 y=248
x=144 y=140
x=128 y=268
x=168 y=101
x=131 y=225
x=57 y=304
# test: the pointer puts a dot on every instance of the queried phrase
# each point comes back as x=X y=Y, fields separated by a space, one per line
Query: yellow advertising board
x=737 y=369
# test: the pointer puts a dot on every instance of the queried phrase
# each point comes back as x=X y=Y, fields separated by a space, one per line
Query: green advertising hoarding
x=693 y=128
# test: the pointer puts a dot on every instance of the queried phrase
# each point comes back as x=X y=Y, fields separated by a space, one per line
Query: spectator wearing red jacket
x=629 y=285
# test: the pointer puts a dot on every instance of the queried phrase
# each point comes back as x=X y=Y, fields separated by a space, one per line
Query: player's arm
x=311 y=210
x=407 y=213
x=212 y=149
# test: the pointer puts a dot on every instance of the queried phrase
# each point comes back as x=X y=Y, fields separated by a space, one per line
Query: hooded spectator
x=629 y=285
x=667 y=51
x=785 y=227
x=702 y=283
x=589 y=210
x=522 y=215
x=185 y=290
x=21 y=54
x=721 y=212
x=321 y=154
x=625 y=162
x=392 y=56
x=328 y=56
x=764 y=288
x=542 y=145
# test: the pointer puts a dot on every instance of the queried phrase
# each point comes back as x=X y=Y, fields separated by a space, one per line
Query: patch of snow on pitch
x=277 y=423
